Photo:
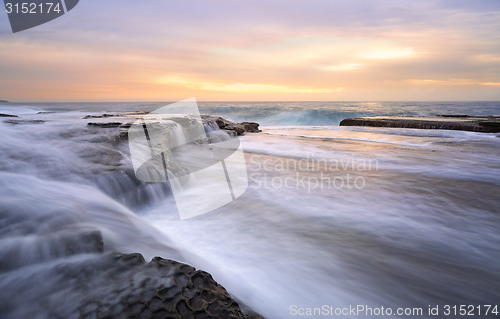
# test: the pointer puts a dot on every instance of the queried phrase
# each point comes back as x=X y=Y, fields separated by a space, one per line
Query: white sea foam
x=423 y=229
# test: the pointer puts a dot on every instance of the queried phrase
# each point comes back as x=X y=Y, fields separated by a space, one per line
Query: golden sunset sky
x=131 y=50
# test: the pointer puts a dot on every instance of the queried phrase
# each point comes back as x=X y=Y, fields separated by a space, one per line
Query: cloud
x=263 y=49
x=450 y=82
x=390 y=54
x=342 y=67
x=243 y=87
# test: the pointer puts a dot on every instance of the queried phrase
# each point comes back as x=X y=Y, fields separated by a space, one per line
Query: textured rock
x=485 y=124
x=223 y=124
x=251 y=127
x=159 y=289
x=82 y=281
x=239 y=128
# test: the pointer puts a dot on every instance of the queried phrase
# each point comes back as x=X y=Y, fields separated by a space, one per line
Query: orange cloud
x=342 y=67
x=241 y=87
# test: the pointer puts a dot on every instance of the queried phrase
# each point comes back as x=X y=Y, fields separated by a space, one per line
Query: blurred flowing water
x=337 y=216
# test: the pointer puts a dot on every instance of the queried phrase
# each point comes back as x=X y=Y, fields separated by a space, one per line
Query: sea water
x=334 y=218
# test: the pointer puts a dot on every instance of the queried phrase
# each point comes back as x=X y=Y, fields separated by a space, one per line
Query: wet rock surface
x=159 y=289
x=251 y=127
x=223 y=124
x=239 y=128
x=24 y=121
x=7 y=115
x=113 y=285
x=484 y=124
x=68 y=272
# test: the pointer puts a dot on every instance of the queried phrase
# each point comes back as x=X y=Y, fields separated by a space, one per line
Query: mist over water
x=423 y=229
x=293 y=113
x=333 y=215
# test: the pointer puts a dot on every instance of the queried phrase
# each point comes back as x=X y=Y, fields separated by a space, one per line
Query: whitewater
x=333 y=217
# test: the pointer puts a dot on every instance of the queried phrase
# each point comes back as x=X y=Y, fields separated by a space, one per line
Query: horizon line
x=242 y=101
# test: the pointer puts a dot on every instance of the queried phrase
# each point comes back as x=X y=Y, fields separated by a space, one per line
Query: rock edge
x=484 y=124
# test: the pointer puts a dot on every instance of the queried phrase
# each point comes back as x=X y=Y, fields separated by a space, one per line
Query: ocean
x=334 y=218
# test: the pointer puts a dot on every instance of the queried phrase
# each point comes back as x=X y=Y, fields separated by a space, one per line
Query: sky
x=272 y=50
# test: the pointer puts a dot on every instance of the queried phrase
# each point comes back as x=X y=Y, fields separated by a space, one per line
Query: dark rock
x=105 y=125
x=251 y=127
x=98 y=116
x=137 y=113
x=238 y=128
x=4 y=101
x=125 y=114
x=24 y=121
x=7 y=115
x=126 y=125
x=484 y=124
x=160 y=289
x=115 y=285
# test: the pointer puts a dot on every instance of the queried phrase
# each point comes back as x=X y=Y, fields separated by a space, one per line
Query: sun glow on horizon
x=343 y=67
x=244 y=87
x=397 y=53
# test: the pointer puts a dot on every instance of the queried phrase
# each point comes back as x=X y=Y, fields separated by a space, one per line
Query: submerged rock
x=47 y=247
x=484 y=124
x=105 y=124
x=98 y=116
x=24 y=121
